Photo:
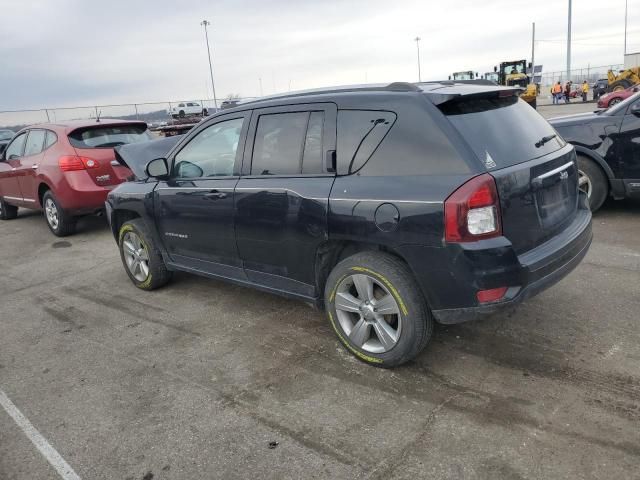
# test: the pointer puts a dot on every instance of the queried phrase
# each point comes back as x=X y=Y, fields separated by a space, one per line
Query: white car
x=186 y=109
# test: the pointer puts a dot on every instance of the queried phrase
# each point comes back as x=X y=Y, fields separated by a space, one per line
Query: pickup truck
x=186 y=109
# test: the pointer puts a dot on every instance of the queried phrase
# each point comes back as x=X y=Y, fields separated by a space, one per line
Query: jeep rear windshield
x=109 y=136
x=501 y=130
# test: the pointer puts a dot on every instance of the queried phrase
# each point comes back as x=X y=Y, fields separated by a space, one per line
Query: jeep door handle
x=215 y=195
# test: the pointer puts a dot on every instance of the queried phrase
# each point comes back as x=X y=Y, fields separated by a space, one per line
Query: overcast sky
x=76 y=52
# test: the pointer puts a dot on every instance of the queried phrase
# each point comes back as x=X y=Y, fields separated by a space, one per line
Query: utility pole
x=206 y=23
x=533 y=51
x=417 y=40
x=626 y=7
x=569 y=44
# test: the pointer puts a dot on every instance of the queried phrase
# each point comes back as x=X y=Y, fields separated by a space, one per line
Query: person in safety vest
x=585 y=90
x=556 y=91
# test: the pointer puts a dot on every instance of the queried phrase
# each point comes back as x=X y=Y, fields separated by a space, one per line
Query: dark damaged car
x=607 y=144
x=389 y=206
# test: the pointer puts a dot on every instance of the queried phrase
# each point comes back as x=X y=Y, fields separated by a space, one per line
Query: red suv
x=66 y=169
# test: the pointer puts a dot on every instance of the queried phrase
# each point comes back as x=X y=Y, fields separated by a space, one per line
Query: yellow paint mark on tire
x=358 y=354
x=129 y=228
x=388 y=284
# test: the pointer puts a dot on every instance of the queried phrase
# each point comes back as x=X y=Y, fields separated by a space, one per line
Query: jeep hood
x=137 y=155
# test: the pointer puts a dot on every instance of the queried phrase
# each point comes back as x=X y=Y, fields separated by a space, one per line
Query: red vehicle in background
x=65 y=169
x=610 y=99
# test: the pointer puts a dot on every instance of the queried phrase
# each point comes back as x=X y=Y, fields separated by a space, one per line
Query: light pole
x=417 y=40
x=206 y=23
x=533 y=52
x=626 y=6
x=569 y=44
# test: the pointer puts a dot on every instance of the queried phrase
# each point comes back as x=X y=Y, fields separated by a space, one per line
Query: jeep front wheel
x=141 y=258
x=377 y=310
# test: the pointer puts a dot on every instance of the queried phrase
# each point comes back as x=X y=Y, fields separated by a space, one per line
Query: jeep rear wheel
x=141 y=258
x=377 y=310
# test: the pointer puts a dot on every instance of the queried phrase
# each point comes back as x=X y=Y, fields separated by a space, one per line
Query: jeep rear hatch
x=534 y=169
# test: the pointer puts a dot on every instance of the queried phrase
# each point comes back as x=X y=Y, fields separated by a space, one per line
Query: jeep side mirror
x=157 y=168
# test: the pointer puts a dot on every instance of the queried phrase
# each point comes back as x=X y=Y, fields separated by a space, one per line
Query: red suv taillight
x=472 y=212
x=70 y=163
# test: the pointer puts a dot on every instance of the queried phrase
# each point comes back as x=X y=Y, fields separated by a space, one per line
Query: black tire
x=181 y=113
x=7 y=212
x=64 y=224
x=391 y=274
x=620 y=85
x=158 y=275
x=598 y=180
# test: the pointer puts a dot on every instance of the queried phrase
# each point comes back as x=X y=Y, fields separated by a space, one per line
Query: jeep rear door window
x=109 y=136
x=279 y=143
x=35 y=142
x=312 y=157
x=502 y=131
x=359 y=134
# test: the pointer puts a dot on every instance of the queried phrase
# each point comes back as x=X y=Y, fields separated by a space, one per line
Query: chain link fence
x=579 y=75
x=156 y=113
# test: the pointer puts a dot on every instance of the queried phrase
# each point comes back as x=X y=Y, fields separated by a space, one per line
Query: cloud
x=72 y=52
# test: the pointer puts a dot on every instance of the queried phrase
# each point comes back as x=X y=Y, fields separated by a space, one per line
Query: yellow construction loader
x=625 y=79
x=514 y=74
x=466 y=75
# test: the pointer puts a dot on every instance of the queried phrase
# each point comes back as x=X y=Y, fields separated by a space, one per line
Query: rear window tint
x=359 y=134
x=108 y=136
x=502 y=131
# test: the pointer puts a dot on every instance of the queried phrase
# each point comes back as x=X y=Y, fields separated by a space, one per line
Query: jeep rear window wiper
x=544 y=140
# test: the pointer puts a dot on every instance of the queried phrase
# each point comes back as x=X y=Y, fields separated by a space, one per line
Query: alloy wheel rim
x=136 y=256
x=51 y=211
x=368 y=313
x=584 y=183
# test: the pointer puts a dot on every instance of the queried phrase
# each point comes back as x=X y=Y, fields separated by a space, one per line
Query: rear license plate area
x=555 y=202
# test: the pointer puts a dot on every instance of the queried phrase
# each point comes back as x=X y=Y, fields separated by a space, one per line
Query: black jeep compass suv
x=389 y=206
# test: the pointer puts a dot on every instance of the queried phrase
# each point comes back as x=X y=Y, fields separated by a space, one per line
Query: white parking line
x=53 y=457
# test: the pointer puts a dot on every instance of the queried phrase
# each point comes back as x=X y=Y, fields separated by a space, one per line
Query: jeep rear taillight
x=71 y=163
x=472 y=212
